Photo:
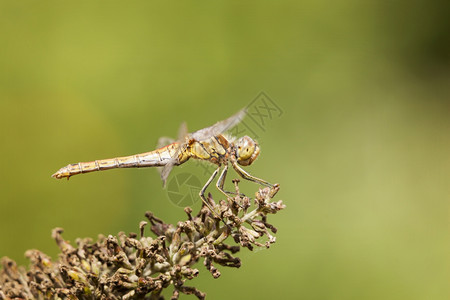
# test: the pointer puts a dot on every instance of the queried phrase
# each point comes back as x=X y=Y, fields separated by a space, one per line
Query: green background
x=361 y=150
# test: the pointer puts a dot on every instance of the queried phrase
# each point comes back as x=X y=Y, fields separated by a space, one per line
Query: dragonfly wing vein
x=219 y=127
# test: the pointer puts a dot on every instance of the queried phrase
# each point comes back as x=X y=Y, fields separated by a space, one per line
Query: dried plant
x=132 y=267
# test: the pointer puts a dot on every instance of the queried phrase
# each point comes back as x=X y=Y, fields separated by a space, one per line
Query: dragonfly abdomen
x=155 y=158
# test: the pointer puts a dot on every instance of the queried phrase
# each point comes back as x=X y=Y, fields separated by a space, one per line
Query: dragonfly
x=209 y=144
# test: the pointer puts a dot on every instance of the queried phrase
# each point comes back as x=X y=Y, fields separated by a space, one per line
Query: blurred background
x=360 y=141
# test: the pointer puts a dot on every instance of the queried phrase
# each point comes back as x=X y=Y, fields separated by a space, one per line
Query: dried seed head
x=132 y=267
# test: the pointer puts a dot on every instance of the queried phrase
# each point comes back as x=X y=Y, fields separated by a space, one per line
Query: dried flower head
x=141 y=267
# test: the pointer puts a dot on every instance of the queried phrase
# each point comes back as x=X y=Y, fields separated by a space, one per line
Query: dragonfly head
x=247 y=150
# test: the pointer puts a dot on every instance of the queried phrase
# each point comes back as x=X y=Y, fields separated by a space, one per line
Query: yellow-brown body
x=214 y=149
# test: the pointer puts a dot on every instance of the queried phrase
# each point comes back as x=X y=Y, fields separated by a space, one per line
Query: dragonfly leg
x=220 y=183
x=202 y=195
x=202 y=192
x=247 y=176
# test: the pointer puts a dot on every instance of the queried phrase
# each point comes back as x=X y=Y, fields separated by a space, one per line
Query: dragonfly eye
x=247 y=150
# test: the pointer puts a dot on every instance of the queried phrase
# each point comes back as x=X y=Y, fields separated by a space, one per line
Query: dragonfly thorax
x=247 y=150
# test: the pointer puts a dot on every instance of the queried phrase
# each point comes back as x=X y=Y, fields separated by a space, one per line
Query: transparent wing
x=164 y=141
x=200 y=135
x=165 y=171
x=182 y=132
x=219 y=127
